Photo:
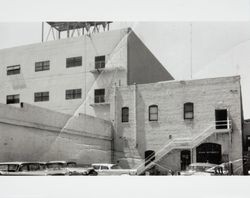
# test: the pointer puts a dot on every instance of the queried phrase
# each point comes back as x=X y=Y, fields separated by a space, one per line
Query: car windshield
x=71 y=164
x=12 y=167
x=55 y=165
x=115 y=167
x=3 y=167
x=199 y=168
x=34 y=167
x=96 y=167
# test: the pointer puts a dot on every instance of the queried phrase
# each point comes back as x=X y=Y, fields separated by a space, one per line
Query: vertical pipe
x=115 y=131
x=42 y=31
x=135 y=115
x=191 y=51
x=67 y=30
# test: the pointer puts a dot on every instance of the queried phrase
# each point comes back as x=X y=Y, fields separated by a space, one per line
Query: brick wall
x=132 y=139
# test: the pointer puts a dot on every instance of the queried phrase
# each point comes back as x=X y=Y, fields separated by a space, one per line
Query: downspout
x=135 y=116
x=115 y=126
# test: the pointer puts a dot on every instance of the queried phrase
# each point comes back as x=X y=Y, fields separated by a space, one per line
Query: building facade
x=179 y=122
x=77 y=75
x=104 y=97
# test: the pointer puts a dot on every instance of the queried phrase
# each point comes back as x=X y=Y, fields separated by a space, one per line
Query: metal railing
x=184 y=143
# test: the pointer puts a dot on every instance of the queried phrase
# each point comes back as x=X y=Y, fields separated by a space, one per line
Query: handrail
x=191 y=142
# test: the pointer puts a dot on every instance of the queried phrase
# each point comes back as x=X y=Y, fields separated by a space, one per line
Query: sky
x=211 y=49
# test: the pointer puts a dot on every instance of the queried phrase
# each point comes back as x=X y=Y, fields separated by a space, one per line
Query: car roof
x=63 y=162
x=103 y=164
x=203 y=164
x=19 y=163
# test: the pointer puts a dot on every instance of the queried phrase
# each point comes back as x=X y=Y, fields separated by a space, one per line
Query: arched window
x=153 y=113
x=188 y=110
x=125 y=114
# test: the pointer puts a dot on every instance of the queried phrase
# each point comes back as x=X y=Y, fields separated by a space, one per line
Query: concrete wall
x=139 y=134
x=59 y=78
x=36 y=134
x=143 y=67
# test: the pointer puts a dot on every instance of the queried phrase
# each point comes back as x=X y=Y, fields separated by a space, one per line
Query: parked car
x=112 y=169
x=22 y=169
x=199 y=169
x=68 y=168
x=218 y=170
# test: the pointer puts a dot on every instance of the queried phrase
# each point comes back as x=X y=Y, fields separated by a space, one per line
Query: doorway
x=149 y=156
x=185 y=159
x=209 y=152
x=221 y=119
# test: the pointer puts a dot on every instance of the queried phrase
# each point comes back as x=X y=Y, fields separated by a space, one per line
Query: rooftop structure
x=74 y=27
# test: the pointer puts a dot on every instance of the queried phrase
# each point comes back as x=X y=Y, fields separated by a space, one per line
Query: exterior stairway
x=184 y=143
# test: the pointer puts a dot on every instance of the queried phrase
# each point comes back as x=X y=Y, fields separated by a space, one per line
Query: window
x=188 y=110
x=153 y=113
x=41 y=66
x=73 y=94
x=99 y=62
x=41 y=96
x=104 y=168
x=248 y=143
x=12 y=99
x=125 y=114
x=14 y=69
x=99 y=95
x=74 y=61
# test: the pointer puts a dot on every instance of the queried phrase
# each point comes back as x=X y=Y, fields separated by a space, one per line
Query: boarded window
x=99 y=62
x=153 y=113
x=188 y=110
x=42 y=66
x=13 y=70
x=99 y=95
x=73 y=94
x=74 y=61
x=12 y=99
x=41 y=96
x=125 y=114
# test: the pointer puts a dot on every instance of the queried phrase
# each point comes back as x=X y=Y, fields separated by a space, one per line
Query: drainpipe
x=135 y=115
x=114 y=131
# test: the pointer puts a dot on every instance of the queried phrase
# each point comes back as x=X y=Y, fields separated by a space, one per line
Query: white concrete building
x=76 y=75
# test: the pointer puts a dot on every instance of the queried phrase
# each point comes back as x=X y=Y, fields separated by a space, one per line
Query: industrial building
x=104 y=97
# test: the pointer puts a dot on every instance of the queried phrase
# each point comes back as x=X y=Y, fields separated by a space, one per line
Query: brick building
x=179 y=122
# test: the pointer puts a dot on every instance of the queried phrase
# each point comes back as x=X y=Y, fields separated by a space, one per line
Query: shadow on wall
x=140 y=131
x=131 y=137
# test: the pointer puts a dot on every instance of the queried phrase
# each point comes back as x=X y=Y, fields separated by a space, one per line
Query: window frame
x=101 y=97
x=185 y=111
x=99 y=63
x=73 y=62
x=125 y=115
x=13 y=100
x=71 y=94
x=44 y=96
x=248 y=143
x=42 y=66
x=13 y=70
x=150 y=113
